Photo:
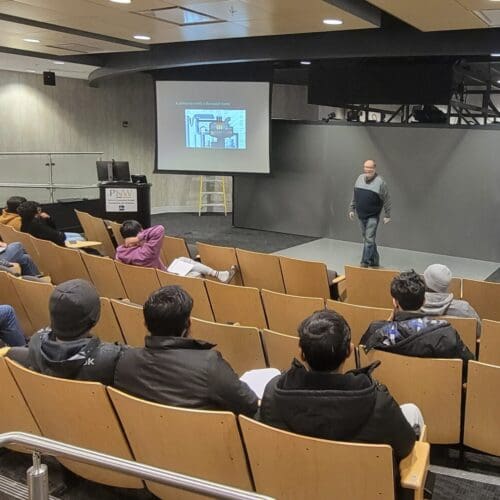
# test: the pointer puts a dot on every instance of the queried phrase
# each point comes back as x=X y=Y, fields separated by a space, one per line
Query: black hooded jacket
x=416 y=334
x=86 y=358
x=348 y=407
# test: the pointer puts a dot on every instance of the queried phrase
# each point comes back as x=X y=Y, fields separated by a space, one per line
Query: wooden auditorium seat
x=285 y=312
x=466 y=328
x=77 y=413
x=104 y=275
x=131 y=320
x=484 y=297
x=203 y=444
x=107 y=328
x=240 y=346
x=219 y=258
x=172 y=248
x=9 y=296
x=139 y=282
x=489 y=348
x=196 y=288
x=236 y=304
x=260 y=270
x=115 y=229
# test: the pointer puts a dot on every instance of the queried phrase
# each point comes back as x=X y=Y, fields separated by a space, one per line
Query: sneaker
x=363 y=265
x=227 y=276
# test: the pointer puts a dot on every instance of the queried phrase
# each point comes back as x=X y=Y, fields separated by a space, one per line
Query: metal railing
x=48 y=161
x=37 y=475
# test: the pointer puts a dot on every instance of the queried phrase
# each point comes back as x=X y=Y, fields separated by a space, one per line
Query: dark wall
x=444 y=184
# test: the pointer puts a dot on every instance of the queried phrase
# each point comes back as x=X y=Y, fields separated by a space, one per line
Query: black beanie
x=74 y=308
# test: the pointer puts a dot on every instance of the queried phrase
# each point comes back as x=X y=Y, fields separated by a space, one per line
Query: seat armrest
x=338 y=279
x=414 y=467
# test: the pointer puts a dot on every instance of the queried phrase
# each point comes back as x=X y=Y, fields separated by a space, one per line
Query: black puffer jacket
x=183 y=372
x=418 y=335
x=342 y=407
x=85 y=358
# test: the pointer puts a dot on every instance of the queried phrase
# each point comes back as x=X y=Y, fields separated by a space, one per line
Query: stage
x=336 y=253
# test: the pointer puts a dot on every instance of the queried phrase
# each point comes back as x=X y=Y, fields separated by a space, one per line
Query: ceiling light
x=495 y=54
x=142 y=37
x=58 y=62
x=333 y=22
x=31 y=40
x=305 y=63
x=121 y=1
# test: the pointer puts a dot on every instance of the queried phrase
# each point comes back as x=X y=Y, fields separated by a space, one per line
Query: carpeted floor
x=218 y=230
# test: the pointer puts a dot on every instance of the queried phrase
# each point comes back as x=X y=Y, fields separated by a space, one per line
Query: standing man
x=370 y=196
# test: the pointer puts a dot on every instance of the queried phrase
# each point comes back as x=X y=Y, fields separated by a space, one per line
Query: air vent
x=490 y=17
x=76 y=47
x=180 y=16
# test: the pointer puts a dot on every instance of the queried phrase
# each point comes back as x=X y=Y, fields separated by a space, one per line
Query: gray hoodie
x=443 y=304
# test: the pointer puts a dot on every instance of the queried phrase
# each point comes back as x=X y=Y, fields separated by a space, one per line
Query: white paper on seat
x=180 y=267
x=258 y=379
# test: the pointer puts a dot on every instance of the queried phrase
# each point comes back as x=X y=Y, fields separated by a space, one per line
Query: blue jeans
x=369 y=232
x=16 y=253
x=10 y=330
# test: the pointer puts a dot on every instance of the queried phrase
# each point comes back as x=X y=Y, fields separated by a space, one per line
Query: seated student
x=142 y=247
x=39 y=224
x=176 y=370
x=16 y=254
x=412 y=332
x=439 y=302
x=67 y=349
x=315 y=398
x=10 y=330
x=9 y=215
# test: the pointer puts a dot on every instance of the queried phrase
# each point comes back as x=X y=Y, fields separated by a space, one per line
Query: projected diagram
x=216 y=128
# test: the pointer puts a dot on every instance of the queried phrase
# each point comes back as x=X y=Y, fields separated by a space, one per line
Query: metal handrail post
x=37 y=477
x=142 y=471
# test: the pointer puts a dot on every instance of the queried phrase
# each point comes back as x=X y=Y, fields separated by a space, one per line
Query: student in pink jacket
x=142 y=247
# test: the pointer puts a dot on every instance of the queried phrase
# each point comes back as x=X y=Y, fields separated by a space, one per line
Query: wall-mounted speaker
x=49 y=78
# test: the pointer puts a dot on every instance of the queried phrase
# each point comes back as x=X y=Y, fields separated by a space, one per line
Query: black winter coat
x=85 y=358
x=44 y=229
x=183 y=372
x=348 y=407
x=418 y=335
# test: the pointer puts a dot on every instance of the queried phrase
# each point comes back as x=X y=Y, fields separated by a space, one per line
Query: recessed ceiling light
x=334 y=22
x=305 y=63
x=495 y=54
x=31 y=40
x=58 y=62
x=142 y=37
x=121 y=1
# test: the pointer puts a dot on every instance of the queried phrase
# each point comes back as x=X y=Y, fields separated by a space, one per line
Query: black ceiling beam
x=359 y=8
x=394 y=41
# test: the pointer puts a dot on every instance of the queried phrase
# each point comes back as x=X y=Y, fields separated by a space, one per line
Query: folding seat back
x=236 y=304
x=203 y=444
x=77 y=413
x=173 y=248
x=369 y=287
x=107 y=328
x=434 y=385
x=139 y=282
x=240 y=346
x=484 y=297
x=489 y=349
x=305 y=278
x=196 y=288
x=219 y=258
x=131 y=320
x=260 y=270
x=104 y=275
x=285 y=312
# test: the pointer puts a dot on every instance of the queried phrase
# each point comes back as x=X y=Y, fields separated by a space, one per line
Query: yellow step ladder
x=210 y=186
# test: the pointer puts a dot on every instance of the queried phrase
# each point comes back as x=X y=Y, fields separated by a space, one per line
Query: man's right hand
x=351 y=215
x=132 y=241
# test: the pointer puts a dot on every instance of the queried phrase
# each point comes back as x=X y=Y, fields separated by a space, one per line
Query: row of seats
x=368 y=287
x=409 y=379
x=219 y=303
x=212 y=445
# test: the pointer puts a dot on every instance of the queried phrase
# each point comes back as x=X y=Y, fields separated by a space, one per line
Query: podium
x=122 y=201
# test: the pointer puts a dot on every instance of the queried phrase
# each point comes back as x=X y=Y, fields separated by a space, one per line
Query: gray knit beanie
x=437 y=278
x=74 y=309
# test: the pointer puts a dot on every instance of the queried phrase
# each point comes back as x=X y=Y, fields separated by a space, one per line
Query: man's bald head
x=370 y=169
